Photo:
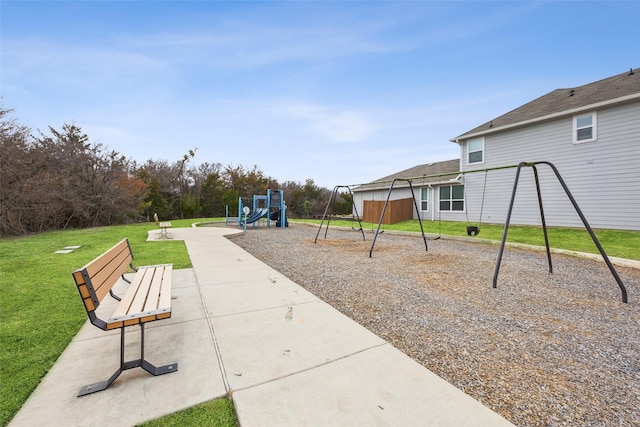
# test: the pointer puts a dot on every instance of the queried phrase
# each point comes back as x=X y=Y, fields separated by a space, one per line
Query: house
x=427 y=181
x=591 y=133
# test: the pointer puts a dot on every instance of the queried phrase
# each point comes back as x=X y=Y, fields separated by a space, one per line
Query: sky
x=340 y=92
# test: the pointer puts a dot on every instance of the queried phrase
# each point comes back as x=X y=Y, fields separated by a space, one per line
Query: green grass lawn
x=40 y=308
x=39 y=304
x=216 y=413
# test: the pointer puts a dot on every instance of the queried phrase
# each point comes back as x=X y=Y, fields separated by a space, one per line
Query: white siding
x=603 y=176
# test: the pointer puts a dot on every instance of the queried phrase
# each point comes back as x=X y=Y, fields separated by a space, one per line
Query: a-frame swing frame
x=384 y=209
x=532 y=165
x=330 y=203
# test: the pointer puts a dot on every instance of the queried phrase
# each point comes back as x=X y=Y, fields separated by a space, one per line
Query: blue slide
x=256 y=215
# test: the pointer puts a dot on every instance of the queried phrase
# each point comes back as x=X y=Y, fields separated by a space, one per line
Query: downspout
x=457 y=141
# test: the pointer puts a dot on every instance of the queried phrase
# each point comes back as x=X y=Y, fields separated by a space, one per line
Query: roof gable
x=564 y=100
x=430 y=171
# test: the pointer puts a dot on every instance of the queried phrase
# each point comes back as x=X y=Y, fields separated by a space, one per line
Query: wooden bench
x=147 y=298
x=164 y=225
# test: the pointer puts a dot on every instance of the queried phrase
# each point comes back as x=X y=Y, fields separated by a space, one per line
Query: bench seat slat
x=135 y=289
x=148 y=298
x=151 y=302
x=155 y=314
x=165 y=288
x=142 y=293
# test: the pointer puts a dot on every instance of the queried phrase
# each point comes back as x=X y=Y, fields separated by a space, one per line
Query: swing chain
x=473 y=230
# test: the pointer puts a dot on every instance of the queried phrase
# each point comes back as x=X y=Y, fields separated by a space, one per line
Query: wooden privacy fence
x=397 y=210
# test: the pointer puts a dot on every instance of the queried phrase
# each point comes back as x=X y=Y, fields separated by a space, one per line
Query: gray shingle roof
x=447 y=167
x=568 y=99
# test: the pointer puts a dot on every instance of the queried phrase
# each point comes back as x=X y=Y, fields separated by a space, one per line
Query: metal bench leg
x=147 y=366
x=144 y=364
x=164 y=232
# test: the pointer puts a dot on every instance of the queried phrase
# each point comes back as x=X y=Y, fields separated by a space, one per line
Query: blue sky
x=339 y=92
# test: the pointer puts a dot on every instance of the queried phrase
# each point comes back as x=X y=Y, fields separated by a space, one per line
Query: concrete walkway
x=240 y=327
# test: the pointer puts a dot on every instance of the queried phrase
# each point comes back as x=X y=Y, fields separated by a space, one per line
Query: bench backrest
x=95 y=280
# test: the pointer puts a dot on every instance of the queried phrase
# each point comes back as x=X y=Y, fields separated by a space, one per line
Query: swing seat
x=472 y=230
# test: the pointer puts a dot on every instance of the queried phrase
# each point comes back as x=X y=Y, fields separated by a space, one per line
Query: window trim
x=451 y=200
x=481 y=139
x=422 y=200
x=594 y=128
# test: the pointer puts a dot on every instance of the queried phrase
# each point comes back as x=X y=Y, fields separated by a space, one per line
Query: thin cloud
x=336 y=125
x=249 y=46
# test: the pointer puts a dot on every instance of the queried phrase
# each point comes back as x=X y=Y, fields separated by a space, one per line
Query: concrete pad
x=377 y=387
x=242 y=297
x=212 y=275
x=232 y=259
x=135 y=396
x=261 y=346
x=184 y=278
x=226 y=254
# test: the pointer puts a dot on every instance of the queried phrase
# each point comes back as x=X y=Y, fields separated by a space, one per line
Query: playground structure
x=474 y=230
x=270 y=206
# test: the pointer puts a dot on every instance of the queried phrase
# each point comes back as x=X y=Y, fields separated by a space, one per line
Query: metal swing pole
x=430 y=195
x=355 y=209
x=333 y=196
x=326 y=209
x=590 y=230
x=415 y=203
x=544 y=223
x=384 y=209
x=506 y=226
x=578 y=211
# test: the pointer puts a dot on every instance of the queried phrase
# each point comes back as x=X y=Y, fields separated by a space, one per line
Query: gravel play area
x=542 y=349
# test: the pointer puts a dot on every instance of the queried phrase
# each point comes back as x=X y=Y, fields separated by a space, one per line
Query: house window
x=452 y=198
x=475 y=150
x=585 y=128
x=424 y=198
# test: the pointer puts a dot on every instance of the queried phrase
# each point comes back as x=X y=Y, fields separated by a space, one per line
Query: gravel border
x=542 y=349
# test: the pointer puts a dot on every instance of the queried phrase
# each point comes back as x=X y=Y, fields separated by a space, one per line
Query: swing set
x=331 y=204
x=474 y=230
x=384 y=209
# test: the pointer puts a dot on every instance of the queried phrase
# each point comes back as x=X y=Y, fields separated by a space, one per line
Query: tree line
x=63 y=180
